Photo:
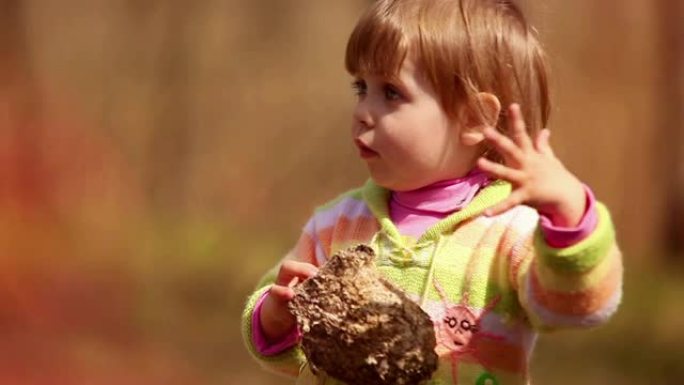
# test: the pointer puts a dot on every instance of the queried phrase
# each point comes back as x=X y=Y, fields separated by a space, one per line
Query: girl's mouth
x=365 y=152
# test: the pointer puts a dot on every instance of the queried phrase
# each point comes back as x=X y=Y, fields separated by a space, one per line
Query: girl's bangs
x=377 y=46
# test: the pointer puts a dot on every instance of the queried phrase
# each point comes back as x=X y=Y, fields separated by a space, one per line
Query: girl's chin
x=391 y=184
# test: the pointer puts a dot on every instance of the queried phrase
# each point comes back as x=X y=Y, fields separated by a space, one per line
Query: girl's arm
x=281 y=354
x=577 y=285
x=560 y=284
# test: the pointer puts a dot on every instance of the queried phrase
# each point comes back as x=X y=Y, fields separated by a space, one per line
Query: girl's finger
x=516 y=198
x=503 y=144
x=500 y=171
x=282 y=293
x=542 y=144
x=518 y=128
x=293 y=282
x=291 y=269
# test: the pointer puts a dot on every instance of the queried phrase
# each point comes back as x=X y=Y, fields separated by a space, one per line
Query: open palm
x=538 y=177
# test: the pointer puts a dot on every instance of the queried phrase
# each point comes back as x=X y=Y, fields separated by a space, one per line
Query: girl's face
x=404 y=135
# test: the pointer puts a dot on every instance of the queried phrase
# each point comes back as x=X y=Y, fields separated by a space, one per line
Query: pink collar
x=440 y=198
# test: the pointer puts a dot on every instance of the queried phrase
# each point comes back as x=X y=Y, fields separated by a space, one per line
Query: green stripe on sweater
x=584 y=255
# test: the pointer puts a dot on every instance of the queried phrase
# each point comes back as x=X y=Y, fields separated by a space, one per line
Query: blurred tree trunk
x=672 y=119
x=24 y=175
x=169 y=150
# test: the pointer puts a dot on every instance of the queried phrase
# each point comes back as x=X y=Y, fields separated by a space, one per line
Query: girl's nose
x=363 y=115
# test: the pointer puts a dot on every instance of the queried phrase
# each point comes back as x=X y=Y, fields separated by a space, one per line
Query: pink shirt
x=415 y=211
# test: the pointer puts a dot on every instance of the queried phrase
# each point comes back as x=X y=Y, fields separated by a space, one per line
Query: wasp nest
x=359 y=328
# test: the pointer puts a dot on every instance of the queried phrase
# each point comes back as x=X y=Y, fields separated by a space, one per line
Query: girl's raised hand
x=539 y=179
x=276 y=319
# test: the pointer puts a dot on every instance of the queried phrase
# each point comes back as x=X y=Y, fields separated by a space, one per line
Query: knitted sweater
x=495 y=273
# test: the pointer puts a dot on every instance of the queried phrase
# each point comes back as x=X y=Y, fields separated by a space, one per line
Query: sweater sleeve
x=288 y=361
x=560 y=236
x=575 y=286
x=265 y=346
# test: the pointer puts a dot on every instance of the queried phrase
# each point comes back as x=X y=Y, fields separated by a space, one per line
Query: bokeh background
x=156 y=157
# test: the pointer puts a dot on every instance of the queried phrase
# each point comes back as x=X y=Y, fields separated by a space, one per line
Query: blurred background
x=156 y=157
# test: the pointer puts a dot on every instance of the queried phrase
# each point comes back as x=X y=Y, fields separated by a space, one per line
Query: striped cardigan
x=491 y=280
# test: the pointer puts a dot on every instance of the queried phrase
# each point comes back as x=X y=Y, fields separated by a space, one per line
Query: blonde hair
x=462 y=46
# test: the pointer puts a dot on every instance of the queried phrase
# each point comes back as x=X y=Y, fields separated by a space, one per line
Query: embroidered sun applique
x=459 y=330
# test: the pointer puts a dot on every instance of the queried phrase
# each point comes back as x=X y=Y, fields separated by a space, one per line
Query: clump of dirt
x=359 y=328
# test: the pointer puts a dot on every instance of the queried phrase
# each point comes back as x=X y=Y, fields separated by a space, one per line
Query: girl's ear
x=482 y=112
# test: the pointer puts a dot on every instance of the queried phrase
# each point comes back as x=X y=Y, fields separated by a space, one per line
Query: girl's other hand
x=539 y=179
x=276 y=319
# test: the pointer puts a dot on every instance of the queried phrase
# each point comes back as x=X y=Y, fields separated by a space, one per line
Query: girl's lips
x=365 y=152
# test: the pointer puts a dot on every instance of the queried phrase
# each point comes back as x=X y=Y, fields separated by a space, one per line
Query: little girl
x=467 y=207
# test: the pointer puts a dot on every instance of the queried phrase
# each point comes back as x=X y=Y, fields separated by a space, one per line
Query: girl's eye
x=391 y=92
x=359 y=87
